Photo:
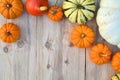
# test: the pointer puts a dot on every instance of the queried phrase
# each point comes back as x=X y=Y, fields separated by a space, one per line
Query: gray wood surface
x=45 y=52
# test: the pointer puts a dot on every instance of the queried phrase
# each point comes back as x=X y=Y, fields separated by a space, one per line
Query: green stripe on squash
x=87 y=8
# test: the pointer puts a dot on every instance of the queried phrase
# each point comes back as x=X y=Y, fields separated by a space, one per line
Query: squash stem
x=9 y=5
x=53 y=11
x=80 y=6
x=83 y=35
x=43 y=8
x=104 y=55
x=8 y=33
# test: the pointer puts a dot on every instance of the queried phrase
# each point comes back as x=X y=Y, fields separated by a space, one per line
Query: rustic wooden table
x=44 y=52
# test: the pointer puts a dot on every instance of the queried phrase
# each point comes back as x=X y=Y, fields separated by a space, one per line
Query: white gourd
x=108 y=20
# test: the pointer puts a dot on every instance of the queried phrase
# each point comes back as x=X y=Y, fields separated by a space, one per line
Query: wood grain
x=44 y=51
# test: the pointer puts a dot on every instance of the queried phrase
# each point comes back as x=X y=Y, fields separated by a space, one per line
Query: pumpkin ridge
x=78 y=40
x=86 y=43
x=4 y=1
x=3 y=10
x=3 y=29
x=9 y=13
x=4 y=38
x=81 y=43
x=76 y=32
x=12 y=1
x=16 y=8
x=2 y=4
x=79 y=30
x=11 y=39
x=90 y=41
x=9 y=27
x=13 y=12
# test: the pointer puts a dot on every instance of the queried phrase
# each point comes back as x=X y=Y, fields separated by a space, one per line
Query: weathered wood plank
x=48 y=56
x=73 y=58
x=47 y=53
x=96 y=72
x=15 y=61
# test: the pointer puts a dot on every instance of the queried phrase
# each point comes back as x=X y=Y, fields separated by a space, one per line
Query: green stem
x=8 y=33
x=53 y=11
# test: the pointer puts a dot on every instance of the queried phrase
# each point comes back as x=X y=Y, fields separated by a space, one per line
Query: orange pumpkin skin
x=100 y=54
x=11 y=9
x=34 y=7
x=82 y=36
x=116 y=62
x=55 y=13
x=9 y=33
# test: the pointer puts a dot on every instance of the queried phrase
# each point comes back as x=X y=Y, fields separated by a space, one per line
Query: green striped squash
x=116 y=77
x=79 y=11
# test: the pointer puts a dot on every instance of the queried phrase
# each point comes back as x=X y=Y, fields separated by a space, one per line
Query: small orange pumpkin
x=9 y=33
x=82 y=36
x=11 y=9
x=55 y=13
x=116 y=61
x=100 y=54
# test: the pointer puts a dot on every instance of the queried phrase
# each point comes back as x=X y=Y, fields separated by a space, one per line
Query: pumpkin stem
x=43 y=8
x=9 y=5
x=104 y=55
x=83 y=35
x=53 y=11
x=80 y=6
x=8 y=33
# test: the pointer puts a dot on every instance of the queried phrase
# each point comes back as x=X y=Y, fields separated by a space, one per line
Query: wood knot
x=66 y=61
x=5 y=49
x=48 y=66
x=20 y=43
x=48 y=45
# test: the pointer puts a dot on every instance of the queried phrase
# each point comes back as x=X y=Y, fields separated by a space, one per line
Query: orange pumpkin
x=11 y=9
x=82 y=36
x=55 y=13
x=9 y=33
x=100 y=54
x=116 y=61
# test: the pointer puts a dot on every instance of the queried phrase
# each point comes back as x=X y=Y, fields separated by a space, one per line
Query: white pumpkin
x=108 y=20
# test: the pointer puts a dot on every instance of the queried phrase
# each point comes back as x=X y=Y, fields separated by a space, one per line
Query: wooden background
x=44 y=52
